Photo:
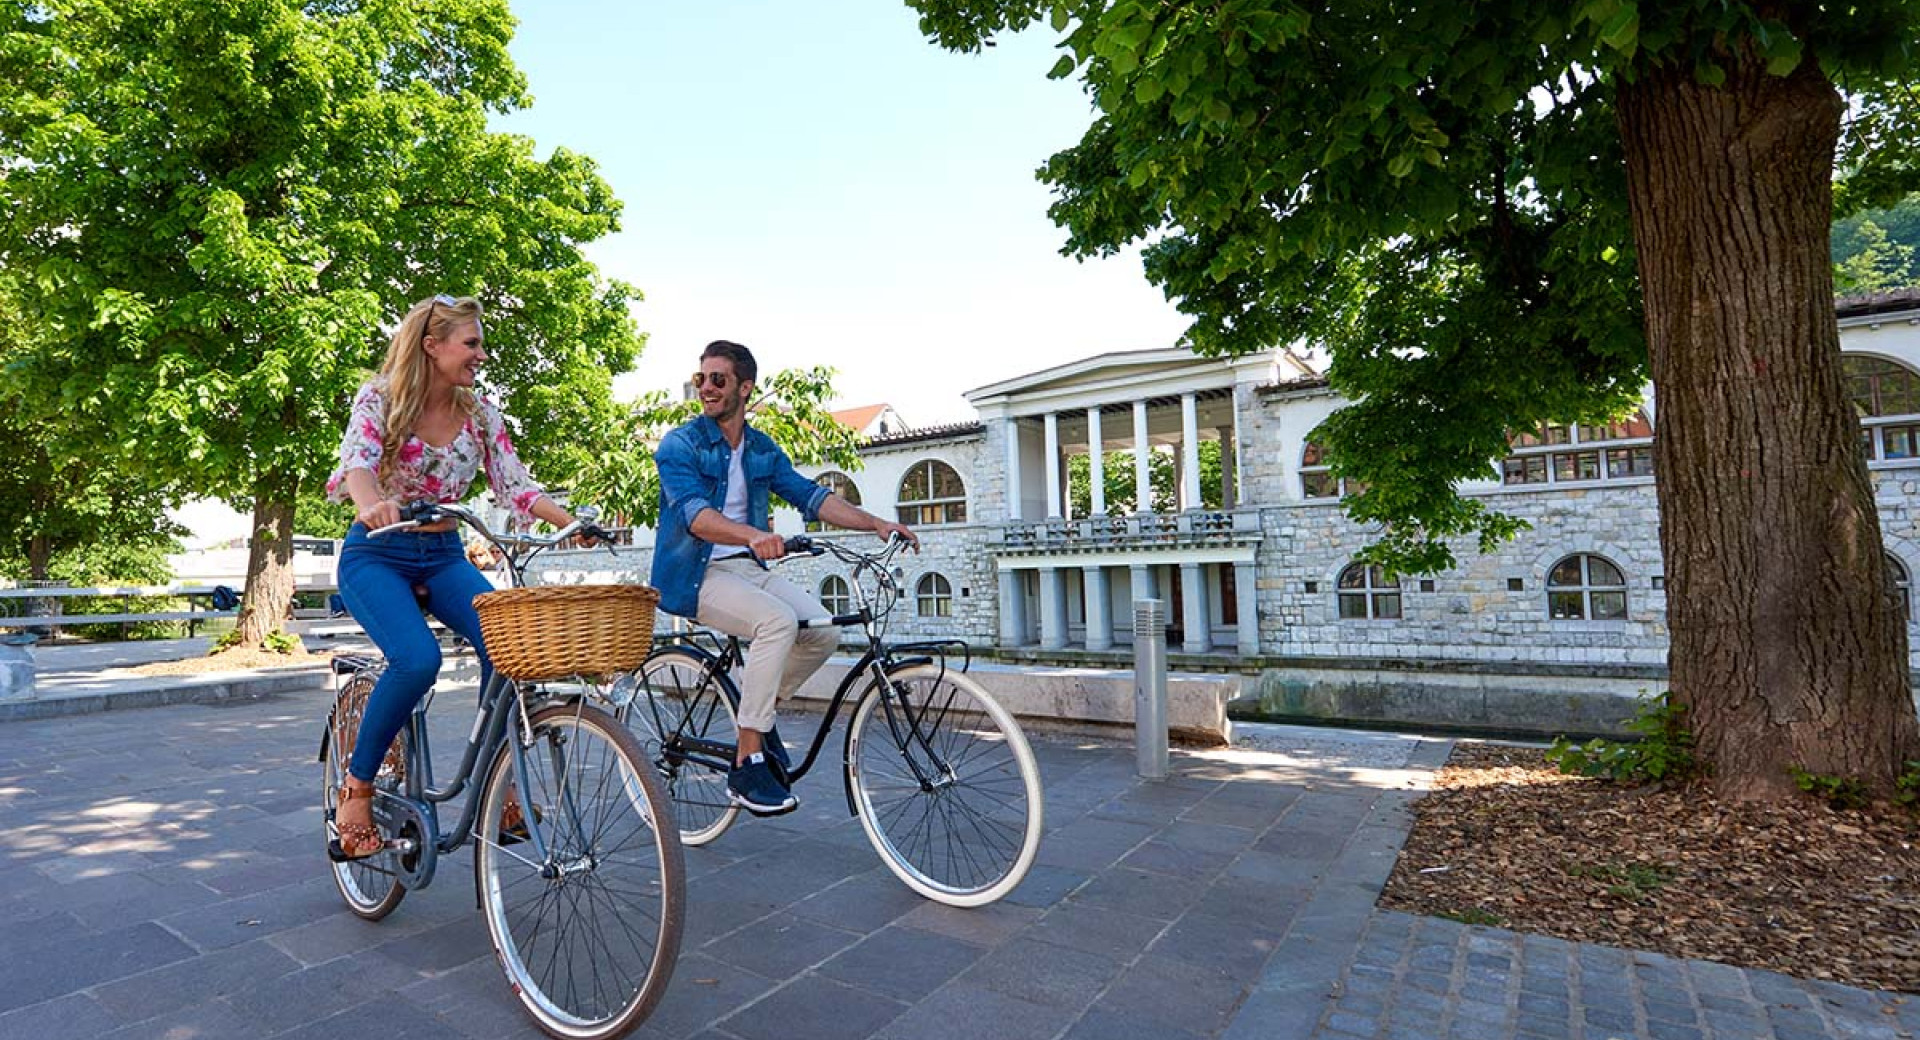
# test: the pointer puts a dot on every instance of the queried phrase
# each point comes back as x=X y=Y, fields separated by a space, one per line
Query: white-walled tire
x=946 y=785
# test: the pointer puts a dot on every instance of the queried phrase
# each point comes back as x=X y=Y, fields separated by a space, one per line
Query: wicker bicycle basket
x=555 y=631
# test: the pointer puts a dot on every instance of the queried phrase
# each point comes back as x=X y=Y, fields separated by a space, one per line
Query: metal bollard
x=1150 y=687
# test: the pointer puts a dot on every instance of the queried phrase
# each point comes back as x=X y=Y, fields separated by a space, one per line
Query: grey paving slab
x=168 y=881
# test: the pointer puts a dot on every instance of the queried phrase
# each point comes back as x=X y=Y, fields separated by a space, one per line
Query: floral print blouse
x=424 y=471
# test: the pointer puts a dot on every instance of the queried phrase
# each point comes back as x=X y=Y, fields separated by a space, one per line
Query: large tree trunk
x=269 y=591
x=39 y=557
x=1789 y=649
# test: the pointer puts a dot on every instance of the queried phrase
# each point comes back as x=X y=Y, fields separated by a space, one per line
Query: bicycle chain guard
x=401 y=820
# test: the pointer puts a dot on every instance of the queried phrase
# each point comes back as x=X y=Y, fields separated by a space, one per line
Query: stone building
x=1256 y=559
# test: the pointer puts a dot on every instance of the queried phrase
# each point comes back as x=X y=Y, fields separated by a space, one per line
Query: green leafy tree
x=56 y=507
x=1162 y=479
x=791 y=406
x=1898 y=226
x=1878 y=263
x=1494 y=214
x=214 y=208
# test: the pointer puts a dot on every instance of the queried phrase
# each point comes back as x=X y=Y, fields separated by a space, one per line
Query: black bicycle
x=938 y=772
x=584 y=899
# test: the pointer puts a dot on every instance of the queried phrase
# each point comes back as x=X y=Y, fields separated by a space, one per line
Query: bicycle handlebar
x=423 y=512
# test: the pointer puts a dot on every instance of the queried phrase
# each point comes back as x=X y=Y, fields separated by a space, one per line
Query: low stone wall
x=1081 y=697
x=16 y=672
x=1547 y=705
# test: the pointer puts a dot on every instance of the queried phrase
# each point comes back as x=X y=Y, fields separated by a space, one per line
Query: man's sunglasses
x=718 y=379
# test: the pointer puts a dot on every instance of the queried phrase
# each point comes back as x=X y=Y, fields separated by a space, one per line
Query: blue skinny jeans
x=377 y=576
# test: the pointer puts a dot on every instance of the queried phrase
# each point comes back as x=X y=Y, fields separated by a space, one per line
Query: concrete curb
x=84 y=696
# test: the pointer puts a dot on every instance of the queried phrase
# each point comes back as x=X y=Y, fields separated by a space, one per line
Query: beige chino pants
x=745 y=600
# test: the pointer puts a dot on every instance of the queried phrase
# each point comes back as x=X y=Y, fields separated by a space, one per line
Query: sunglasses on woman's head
x=718 y=379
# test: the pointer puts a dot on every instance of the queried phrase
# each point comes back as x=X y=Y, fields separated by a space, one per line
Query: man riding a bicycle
x=709 y=561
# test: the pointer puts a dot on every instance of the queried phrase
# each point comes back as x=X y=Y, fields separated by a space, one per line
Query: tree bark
x=39 y=557
x=1788 y=645
x=269 y=591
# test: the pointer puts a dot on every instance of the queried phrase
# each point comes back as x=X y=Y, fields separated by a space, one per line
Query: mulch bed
x=1504 y=839
x=234 y=660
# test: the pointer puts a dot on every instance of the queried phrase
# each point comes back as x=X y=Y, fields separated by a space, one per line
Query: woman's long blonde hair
x=407 y=370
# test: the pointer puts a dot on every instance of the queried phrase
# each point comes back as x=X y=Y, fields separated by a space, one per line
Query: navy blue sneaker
x=753 y=787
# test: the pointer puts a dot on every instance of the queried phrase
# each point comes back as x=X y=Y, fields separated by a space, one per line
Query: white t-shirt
x=735 y=507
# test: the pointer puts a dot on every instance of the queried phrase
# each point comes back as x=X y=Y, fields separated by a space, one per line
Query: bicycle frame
x=500 y=700
x=877 y=664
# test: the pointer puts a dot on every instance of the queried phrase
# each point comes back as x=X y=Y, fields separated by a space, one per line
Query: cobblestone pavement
x=164 y=879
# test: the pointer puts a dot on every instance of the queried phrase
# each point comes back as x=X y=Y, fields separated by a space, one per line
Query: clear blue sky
x=817 y=181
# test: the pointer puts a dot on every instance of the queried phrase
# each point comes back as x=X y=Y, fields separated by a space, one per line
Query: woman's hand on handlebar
x=384 y=513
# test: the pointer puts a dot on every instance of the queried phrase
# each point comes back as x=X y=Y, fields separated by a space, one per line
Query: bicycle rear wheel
x=946 y=784
x=371 y=886
x=683 y=718
x=588 y=936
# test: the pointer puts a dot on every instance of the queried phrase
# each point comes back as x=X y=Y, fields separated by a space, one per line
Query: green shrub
x=1906 y=790
x=1839 y=792
x=1664 y=752
x=280 y=642
x=225 y=641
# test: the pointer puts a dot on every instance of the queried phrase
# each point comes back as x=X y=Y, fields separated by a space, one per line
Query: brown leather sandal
x=356 y=840
x=513 y=823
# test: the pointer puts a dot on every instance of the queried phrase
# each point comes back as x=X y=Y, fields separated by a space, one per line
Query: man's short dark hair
x=741 y=358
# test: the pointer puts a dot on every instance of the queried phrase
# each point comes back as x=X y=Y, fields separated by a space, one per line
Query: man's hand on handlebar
x=887 y=530
x=768 y=546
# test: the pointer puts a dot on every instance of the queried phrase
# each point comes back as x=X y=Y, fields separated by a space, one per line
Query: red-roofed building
x=872 y=420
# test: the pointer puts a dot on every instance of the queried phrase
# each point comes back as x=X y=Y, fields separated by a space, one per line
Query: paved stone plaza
x=164 y=879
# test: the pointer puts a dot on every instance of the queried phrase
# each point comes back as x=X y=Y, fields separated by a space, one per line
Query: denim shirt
x=693 y=462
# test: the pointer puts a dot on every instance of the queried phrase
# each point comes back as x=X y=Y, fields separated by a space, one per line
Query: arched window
x=1365 y=592
x=1586 y=586
x=933 y=596
x=1580 y=453
x=1887 y=396
x=840 y=484
x=1902 y=585
x=1316 y=480
x=931 y=493
x=836 y=595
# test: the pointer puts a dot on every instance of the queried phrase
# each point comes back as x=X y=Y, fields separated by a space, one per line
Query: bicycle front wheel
x=683 y=718
x=946 y=785
x=589 y=933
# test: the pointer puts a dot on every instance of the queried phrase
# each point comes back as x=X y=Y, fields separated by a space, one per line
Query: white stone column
x=1014 y=507
x=1053 y=466
x=1142 y=461
x=1097 y=461
x=1142 y=583
x=1053 y=608
x=1013 y=609
x=1227 y=449
x=1193 y=609
x=1189 y=453
x=1246 y=600
x=1093 y=583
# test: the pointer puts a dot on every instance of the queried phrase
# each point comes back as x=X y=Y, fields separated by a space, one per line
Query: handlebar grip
x=419 y=509
x=800 y=544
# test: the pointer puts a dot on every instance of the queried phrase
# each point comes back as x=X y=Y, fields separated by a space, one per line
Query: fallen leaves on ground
x=1505 y=839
